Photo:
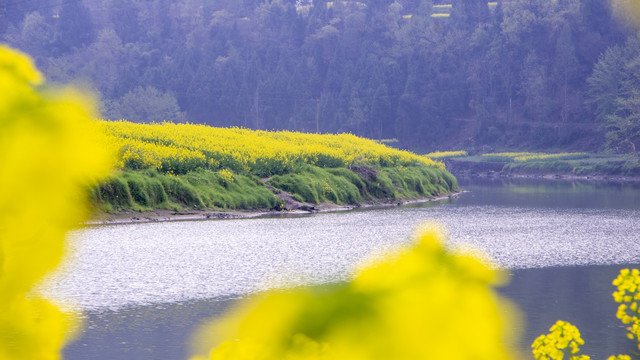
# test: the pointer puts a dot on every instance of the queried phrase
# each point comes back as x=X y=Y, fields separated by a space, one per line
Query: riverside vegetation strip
x=182 y=167
x=576 y=164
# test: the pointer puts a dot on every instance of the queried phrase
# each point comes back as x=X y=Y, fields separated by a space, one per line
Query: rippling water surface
x=127 y=271
x=529 y=227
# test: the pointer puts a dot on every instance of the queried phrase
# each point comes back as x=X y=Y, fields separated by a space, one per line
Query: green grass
x=316 y=185
x=540 y=167
x=201 y=189
x=415 y=182
x=344 y=186
x=143 y=190
x=629 y=167
x=592 y=165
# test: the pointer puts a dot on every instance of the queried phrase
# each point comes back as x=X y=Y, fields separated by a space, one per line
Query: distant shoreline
x=564 y=177
x=569 y=171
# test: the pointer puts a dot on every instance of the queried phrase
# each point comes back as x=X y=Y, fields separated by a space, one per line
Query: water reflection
x=561 y=194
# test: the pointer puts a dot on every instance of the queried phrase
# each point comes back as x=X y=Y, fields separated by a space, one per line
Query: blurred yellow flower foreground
x=421 y=303
x=49 y=156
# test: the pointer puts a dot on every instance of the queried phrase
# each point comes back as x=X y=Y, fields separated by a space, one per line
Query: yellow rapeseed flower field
x=180 y=148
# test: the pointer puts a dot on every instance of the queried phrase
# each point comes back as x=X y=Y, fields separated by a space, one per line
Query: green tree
x=381 y=112
x=144 y=105
x=357 y=117
x=469 y=13
x=535 y=88
x=623 y=125
x=107 y=57
x=12 y=13
x=565 y=63
x=123 y=15
x=614 y=87
x=75 y=27
x=36 y=34
x=605 y=83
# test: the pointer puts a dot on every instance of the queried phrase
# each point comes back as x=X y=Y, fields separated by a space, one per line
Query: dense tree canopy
x=433 y=74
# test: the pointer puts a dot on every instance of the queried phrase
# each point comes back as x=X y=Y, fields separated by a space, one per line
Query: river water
x=145 y=287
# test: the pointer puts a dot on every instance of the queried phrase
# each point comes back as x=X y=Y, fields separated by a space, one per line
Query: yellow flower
x=186 y=147
x=628 y=294
x=50 y=153
x=619 y=357
x=552 y=346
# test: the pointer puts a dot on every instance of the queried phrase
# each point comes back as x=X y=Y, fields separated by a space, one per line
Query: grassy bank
x=185 y=167
x=568 y=164
x=144 y=190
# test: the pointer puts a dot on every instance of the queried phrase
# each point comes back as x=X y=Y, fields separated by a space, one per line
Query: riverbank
x=163 y=215
x=550 y=176
x=148 y=195
x=184 y=170
x=586 y=167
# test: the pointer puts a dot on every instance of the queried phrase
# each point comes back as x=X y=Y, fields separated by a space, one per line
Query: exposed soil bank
x=159 y=215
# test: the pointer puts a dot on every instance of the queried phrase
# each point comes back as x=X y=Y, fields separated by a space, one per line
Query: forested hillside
x=529 y=74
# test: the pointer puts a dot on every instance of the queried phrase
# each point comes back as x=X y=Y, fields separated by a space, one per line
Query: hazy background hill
x=527 y=74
